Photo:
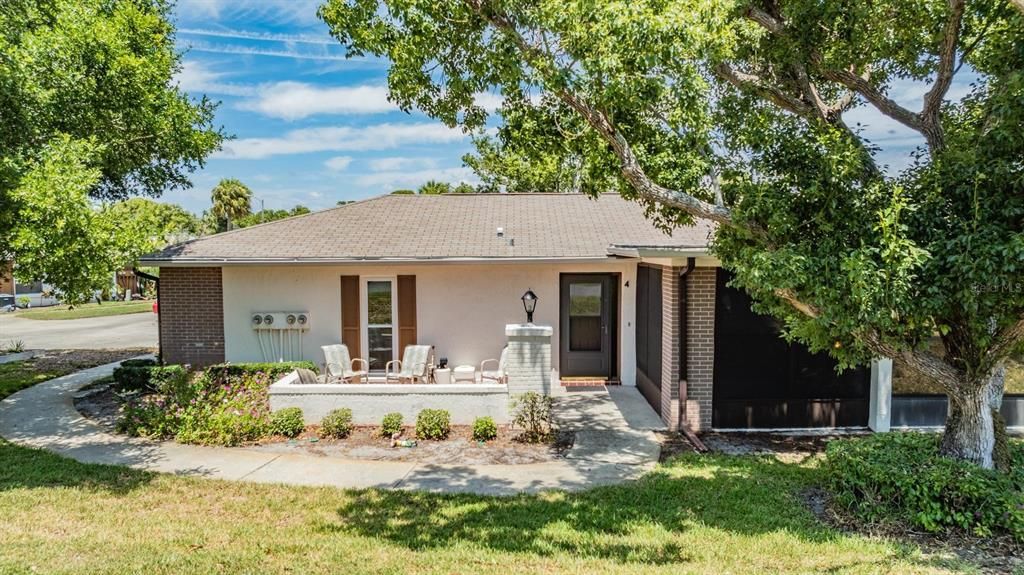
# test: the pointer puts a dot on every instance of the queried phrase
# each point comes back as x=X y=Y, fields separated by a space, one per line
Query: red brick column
x=192 y=316
x=700 y=346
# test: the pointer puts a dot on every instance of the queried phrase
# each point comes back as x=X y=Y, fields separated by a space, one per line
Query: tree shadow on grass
x=29 y=468
x=629 y=523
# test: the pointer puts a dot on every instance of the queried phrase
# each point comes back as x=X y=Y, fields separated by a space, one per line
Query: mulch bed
x=458 y=449
x=71 y=360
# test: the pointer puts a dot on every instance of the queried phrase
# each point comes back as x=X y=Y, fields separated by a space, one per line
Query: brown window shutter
x=350 y=330
x=406 y=312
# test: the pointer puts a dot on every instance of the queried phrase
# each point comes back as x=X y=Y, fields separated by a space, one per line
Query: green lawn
x=695 y=514
x=88 y=310
x=18 y=375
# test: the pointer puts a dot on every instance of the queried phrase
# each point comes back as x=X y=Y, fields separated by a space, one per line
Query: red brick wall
x=191 y=316
x=700 y=346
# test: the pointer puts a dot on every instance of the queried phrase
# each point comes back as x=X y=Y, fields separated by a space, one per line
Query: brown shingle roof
x=450 y=226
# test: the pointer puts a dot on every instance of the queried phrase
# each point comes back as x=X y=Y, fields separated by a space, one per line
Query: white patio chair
x=339 y=365
x=414 y=365
x=498 y=375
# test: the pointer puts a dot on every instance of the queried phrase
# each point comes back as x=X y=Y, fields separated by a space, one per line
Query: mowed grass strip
x=695 y=514
x=18 y=375
x=104 y=309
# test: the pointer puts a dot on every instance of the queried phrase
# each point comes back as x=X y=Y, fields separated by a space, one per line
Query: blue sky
x=312 y=127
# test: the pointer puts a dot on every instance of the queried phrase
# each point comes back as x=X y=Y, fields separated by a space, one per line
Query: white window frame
x=364 y=317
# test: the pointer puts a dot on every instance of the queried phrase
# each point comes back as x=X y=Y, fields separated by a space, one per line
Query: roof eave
x=626 y=251
x=220 y=262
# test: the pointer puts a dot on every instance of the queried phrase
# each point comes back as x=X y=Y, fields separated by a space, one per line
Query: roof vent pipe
x=501 y=232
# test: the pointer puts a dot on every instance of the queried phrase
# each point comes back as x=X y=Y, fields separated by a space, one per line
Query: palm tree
x=434 y=187
x=231 y=201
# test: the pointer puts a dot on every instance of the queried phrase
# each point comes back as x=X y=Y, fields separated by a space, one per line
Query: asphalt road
x=113 y=332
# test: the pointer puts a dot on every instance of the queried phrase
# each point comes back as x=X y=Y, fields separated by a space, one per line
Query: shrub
x=274 y=370
x=337 y=423
x=531 y=412
x=433 y=424
x=900 y=476
x=225 y=404
x=138 y=363
x=484 y=429
x=144 y=377
x=391 y=424
x=287 y=422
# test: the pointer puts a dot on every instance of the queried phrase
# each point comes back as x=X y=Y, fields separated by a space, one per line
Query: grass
x=88 y=310
x=18 y=375
x=694 y=514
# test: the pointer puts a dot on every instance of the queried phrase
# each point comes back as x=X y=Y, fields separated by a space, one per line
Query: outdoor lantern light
x=529 y=304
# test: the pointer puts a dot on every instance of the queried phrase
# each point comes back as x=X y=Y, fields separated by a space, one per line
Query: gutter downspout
x=159 y=317
x=684 y=424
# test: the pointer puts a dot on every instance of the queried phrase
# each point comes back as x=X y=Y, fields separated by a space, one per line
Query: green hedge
x=275 y=370
x=137 y=378
x=901 y=477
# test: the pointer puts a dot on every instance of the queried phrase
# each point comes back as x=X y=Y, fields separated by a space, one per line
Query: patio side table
x=464 y=373
x=442 y=375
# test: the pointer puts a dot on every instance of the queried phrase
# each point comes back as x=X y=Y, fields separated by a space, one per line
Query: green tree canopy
x=264 y=216
x=232 y=201
x=433 y=187
x=89 y=112
x=735 y=111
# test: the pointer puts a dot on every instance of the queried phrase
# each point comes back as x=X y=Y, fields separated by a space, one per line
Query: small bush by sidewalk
x=901 y=477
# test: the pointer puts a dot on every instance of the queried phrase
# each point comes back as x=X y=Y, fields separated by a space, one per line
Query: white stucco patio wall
x=461 y=309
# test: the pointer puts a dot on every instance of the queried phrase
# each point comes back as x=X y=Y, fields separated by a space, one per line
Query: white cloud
x=198 y=77
x=288 y=52
x=296 y=100
x=391 y=180
x=323 y=39
x=400 y=163
x=488 y=100
x=338 y=163
x=277 y=11
x=340 y=139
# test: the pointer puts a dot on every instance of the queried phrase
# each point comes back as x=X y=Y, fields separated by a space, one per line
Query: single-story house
x=626 y=303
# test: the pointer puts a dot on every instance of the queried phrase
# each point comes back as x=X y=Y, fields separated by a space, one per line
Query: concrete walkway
x=614 y=443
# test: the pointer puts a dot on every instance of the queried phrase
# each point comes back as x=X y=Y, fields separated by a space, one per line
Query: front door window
x=585 y=317
x=380 y=323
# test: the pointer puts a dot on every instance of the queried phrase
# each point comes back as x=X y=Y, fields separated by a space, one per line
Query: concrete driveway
x=113 y=332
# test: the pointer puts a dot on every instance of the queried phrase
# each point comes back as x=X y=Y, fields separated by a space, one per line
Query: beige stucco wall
x=462 y=309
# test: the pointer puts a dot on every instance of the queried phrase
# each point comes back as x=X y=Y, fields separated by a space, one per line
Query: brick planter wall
x=192 y=316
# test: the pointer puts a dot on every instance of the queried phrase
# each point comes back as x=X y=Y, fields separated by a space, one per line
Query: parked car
x=7 y=302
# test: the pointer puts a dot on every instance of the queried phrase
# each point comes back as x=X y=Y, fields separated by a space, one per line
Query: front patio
x=614 y=444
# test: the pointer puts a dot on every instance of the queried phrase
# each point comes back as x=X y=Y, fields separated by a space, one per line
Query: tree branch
x=751 y=83
x=944 y=77
x=630 y=166
x=885 y=105
x=766 y=20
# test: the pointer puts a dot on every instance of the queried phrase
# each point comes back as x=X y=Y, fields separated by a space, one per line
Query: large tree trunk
x=971 y=423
